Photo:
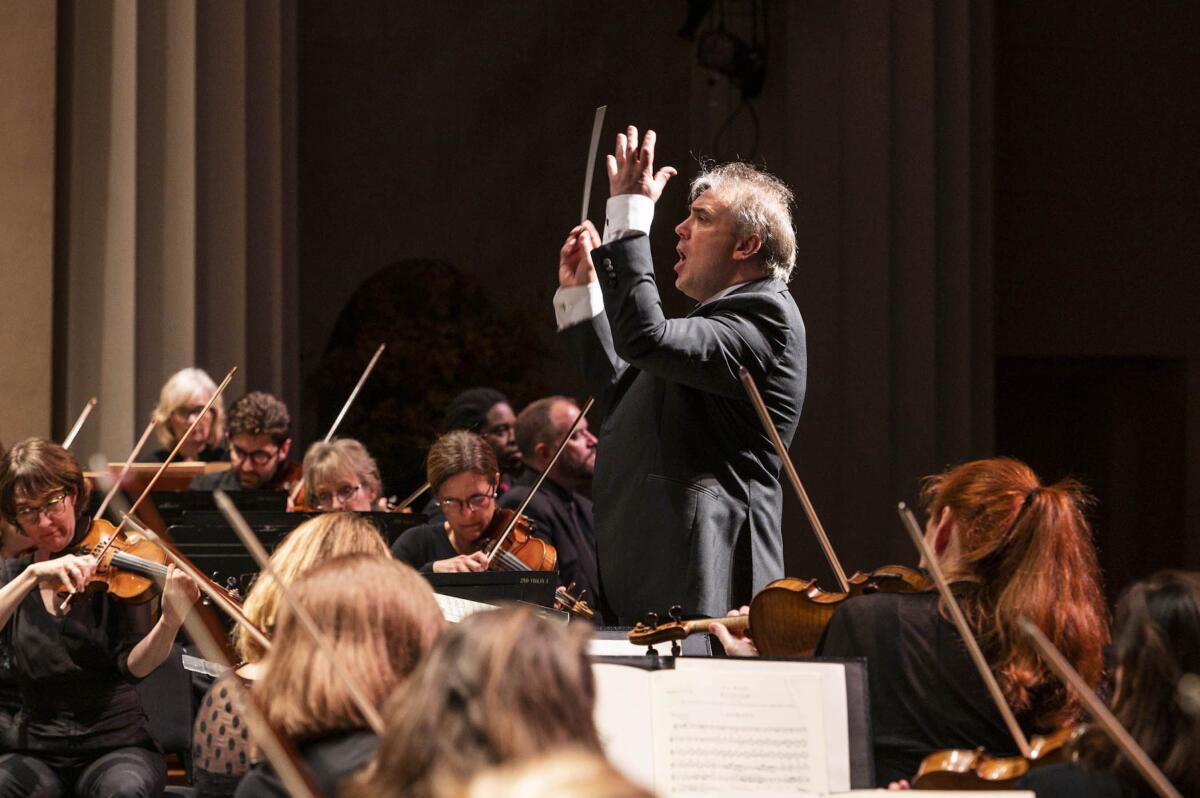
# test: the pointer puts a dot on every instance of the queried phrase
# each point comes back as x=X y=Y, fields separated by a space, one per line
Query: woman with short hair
x=341 y=475
x=181 y=400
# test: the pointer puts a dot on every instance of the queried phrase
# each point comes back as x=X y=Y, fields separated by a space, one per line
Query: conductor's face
x=706 y=245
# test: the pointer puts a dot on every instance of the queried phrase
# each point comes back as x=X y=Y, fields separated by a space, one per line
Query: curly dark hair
x=259 y=413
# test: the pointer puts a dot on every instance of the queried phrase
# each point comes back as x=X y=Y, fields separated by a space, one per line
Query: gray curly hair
x=761 y=206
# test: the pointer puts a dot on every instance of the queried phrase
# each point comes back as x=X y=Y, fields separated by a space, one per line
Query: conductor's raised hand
x=575 y=258
x=631 y=166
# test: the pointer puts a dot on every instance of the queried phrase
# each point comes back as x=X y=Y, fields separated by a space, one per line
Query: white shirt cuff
x=626 y=214
x=577 y=304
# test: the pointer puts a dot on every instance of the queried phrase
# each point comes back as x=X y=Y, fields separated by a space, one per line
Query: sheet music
x=454 y=609
x=724 y=734
x=834 y=708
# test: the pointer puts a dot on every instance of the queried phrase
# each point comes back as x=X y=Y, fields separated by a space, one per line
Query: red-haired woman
x=1011 y=547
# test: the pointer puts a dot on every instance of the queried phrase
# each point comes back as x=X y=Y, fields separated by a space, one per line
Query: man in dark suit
x=686 y=490
x=560 y=512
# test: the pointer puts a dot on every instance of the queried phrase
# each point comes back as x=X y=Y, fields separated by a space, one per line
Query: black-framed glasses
x=51 y=508
x=474 y=503
x=260 y=457
x=343 y=494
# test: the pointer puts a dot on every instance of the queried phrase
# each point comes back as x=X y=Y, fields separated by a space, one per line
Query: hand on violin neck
x=736 y=644
x=575 y=267
x=179 y=594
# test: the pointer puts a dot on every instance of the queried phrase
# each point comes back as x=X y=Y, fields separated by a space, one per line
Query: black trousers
x=125 y=772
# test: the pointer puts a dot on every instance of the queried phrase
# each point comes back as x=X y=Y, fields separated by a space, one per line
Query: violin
x=789 y=615
x=128 y=565
x=963 y=769
x=519 y=550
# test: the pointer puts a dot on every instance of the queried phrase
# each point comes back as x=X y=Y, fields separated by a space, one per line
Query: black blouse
x=1075 y=781
x=422 y=546
x=77 y=694
x=925 y=692
x=331 y=760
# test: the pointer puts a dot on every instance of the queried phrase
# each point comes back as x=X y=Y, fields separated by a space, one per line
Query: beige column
x=27 y=98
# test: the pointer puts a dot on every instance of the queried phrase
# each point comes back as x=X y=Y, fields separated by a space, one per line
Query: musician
x=496 y=687
x=342 y=475
x=1011 y=547
x=221 y=743
x=462 y=472
x=182 y=398
x=487 y=412
x=560 y=511
x=1157 y=636
x=12 y=544
x=687 y=492
x=259 y=441
x=380 y=619
x=81 y=728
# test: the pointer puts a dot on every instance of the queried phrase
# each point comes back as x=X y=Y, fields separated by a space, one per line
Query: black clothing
x=564 y=518
x=1075 y=781
x=330 y=760
x=78 y=697
x=209 y=454
x=125 y=772
x=926 y=694
x=687 y=492
x=422 y=546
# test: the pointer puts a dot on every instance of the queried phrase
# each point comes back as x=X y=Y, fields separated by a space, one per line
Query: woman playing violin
x=342 y=475
x=462 y=472
x=1157 y=638
x=81 y=728
x=1010 y=547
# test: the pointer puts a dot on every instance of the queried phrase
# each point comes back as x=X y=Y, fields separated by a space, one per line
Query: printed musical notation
x=722 y=734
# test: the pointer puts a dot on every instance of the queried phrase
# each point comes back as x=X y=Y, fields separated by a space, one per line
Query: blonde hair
x=319 y=538
x=325 y=461
x=497 y=687
x=379 y=616
x=576 y=772
x=178 y=390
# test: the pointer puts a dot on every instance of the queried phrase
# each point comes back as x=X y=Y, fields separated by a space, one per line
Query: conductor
x=686 y=488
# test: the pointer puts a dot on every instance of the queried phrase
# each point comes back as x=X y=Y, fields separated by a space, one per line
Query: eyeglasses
x=343 y=494
x=260 y=457
x=473 y=503
x=188 y=413
x=52 y=508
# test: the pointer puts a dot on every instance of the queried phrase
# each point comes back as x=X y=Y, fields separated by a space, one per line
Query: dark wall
x=1097 y=196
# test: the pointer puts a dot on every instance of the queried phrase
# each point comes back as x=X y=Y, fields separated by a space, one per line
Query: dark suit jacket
x=687 y=493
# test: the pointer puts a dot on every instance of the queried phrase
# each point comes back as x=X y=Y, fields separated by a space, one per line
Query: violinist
x=221 y=743
x=183 y=397
x=498 y=687
x=381 y=619
x=463 y=474
x=259 y=441
x=342 y=475
x=562 y=514
x=1157 y=639
x=1010 y=547
x=81 y=728
x=12 y=544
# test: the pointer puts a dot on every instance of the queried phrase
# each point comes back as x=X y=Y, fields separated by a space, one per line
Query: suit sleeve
x=701 y=351
x=591 y=344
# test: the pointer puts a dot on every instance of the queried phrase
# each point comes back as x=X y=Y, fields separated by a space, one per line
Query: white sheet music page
x=721 y=733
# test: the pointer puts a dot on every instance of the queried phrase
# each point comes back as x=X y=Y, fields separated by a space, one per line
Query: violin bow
x=410 y=498
x=99 y=552
x=338 y=421
x=116 y=486
x=781 y=450
x=960 y=621
x=296 y=778
x=255 y=547
x=583 y=411
x=1103 y=716
x=206 y=585
x=83 y=415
